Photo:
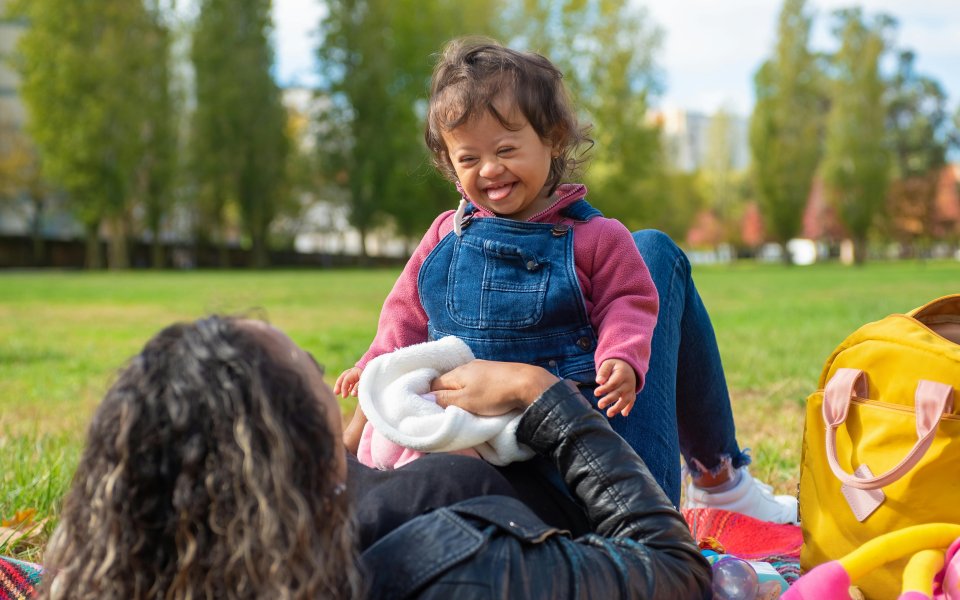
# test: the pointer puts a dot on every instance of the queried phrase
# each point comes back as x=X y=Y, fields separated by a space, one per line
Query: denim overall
x=510 y=291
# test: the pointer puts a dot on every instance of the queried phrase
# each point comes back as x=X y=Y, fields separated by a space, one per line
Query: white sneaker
x=750 y=497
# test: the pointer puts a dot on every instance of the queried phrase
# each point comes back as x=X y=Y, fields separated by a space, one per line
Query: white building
x=686 y=138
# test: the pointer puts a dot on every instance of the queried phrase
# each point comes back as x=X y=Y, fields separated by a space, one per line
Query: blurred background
x=248 y=133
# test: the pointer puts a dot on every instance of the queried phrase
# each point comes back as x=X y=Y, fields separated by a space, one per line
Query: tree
x=787 y=125
x=82 y=66
x=857 y=159
x=719 y=180
x=240 y=144
x=920 y=133
x=376 y=61
x=158 y=166
x=21 y=177
x=681 y=203
x=606 y=51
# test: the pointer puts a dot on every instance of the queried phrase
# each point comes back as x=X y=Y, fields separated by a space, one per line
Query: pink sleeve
x=403 y=321
x=620 y=296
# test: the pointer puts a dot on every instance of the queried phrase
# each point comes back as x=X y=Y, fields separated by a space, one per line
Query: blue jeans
x=684 y=407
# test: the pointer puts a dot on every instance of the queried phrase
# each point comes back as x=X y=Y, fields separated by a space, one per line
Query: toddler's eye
x=506 y=150
x=466 y=160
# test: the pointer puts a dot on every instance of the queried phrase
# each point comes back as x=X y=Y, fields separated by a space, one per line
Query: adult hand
x=489 y=388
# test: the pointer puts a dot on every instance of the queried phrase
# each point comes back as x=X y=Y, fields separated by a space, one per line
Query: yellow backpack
x=881 y=441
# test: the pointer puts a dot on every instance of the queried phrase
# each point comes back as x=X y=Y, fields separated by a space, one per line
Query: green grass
x=64 y=335
x=776 y=326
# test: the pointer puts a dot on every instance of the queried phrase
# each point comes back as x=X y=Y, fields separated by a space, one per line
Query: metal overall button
x=560 y=230
x=532 y=265
x=584 y=343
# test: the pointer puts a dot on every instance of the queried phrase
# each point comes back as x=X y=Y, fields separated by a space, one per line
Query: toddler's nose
x=490 y=168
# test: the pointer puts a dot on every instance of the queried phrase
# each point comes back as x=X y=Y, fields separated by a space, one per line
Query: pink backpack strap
x=932 y=400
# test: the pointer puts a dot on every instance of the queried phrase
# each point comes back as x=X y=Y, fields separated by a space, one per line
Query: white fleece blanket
x=392 y=389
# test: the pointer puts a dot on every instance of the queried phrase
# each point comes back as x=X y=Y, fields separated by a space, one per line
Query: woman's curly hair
x=208 y=472
x=472 y=73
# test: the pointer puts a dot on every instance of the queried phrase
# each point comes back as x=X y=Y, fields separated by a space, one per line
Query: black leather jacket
x=495 y=547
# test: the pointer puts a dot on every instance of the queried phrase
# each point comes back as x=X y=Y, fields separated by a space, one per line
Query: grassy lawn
x=63 y=336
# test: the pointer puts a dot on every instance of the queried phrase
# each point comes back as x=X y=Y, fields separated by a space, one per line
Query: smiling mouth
x=499 y=192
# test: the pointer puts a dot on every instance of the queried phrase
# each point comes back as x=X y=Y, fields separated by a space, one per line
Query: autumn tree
x=920 y=132
x=787 y=125
x=857 y=159
x=681 y=200
x=85 y=79
x=721 y=181
x=239 y=144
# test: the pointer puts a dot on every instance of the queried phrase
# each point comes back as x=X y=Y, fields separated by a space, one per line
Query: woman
x=214 y=467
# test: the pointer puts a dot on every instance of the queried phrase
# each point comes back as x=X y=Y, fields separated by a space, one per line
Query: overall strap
x=581 y=210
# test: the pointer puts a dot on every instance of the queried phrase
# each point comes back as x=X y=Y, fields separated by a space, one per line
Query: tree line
x=877 y=142
x=139 y=118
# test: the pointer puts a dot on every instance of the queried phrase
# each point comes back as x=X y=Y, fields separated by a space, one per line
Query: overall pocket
x=493 y=285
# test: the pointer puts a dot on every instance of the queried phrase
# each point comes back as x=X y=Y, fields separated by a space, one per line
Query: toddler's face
x=503 y=170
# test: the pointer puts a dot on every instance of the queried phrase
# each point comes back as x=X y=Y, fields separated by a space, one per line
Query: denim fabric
x=685 y=390
x=509 y=290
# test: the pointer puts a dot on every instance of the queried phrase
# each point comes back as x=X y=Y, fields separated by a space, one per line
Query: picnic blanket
x=749 y=538
x=740 y=535
x=18 y=579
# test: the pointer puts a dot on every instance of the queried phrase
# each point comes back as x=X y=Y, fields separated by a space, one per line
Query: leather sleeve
x=630 y=514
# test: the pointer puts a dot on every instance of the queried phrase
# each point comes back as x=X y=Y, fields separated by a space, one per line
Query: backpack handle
x=931 y=401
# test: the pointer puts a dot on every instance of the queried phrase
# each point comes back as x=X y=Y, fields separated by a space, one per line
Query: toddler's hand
x=346 y=384
x=618 y=387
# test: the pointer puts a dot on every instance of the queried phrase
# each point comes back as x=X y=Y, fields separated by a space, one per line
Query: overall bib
x=509 y=289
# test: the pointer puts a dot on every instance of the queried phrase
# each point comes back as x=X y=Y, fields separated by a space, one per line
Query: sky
x=711 y=48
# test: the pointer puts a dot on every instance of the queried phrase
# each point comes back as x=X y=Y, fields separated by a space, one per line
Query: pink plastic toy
x=931 y=573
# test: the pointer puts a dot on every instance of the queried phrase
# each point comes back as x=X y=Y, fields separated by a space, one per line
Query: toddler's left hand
x=618 y=387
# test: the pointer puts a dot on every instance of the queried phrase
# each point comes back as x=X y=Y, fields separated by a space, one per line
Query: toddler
x=525 y=270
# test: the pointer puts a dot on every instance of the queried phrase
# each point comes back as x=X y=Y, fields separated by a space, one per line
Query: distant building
x=686 y=138
x=14 y=216
x=323 y=225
